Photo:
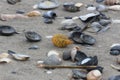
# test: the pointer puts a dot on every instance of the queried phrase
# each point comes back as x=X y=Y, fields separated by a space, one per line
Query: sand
x=18 y=70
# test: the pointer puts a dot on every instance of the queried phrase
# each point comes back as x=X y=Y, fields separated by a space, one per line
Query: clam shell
x=94 y=75
x=20 y=57
x=79 y=4
x=53 y=52
x=33 y=13
x=96 y=26
x=32 y=36
x=115 y=49
x=114 y=7
x=3 y=55
x=48 y=4
x=5 y=60
x=50 y=14
x=88 y=17
x=13 y=1
x=6 y=30
x=88 y=61
x=115 y=77
x=53 y=60
x=79 y=74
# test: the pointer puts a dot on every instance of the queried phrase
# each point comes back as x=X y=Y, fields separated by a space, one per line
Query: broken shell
x=111 y=2
x=74 y=52
x=33 y=13
x=104 y=22
x=115 y=77
x=66 y=55
x=5 y=60
x=48 y=4
x=79 y=74
x=32 y=36
x=53 y=52
x=53 y=60
x=88 y=61
x=96 y=26
x=4 y=55
x=20 y=57
x=79 y=4
x=7 y=30
x=94 y=75
x=13 y=1
x=88 y=17
x=115 y=49
x=114 y=7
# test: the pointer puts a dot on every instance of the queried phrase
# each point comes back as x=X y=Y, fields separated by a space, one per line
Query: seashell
x=5 y=60
x=3 y=55
x=101 y=8
x=82 y=38
x=94 y=75
x=6 y=30
x=48 y=21
x=20 y=11
x=88 y=61
x=96 y=26
x=50 y=14
x=32 y=36
x=74 y=52
x=98 y=1
x=66 y=55
x=53 y=52
x=114 y=7
x=79 y=74
x=78 y=4
x=88 y=17
x=118 y=60
x=111 y=2
x=53 y=60
x=48 y=4
x=115 y=67
x=115 y=77
x=91 y=8
x=115 y=49
x=20 y=57
x=71 y=7
x=104 y=22
x=61 y=40
x=13 y=1
x=5 y=17
x=33 y=47
x=33 y=13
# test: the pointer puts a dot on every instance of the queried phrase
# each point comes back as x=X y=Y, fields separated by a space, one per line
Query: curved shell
x=32 y=36
x=53 y=52
x=7 y=30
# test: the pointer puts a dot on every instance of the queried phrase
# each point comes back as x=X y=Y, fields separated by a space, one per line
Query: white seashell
x=114 y=7
x=91 y=8
x=53 y=52
x=20 y=57
x=94 y=75
x=4 y=55
x=116 y=44
x=40 y=62
x=5 y=60
x=79 y=4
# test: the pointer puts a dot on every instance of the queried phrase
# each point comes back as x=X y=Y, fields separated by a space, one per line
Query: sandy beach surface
x=27 y=70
